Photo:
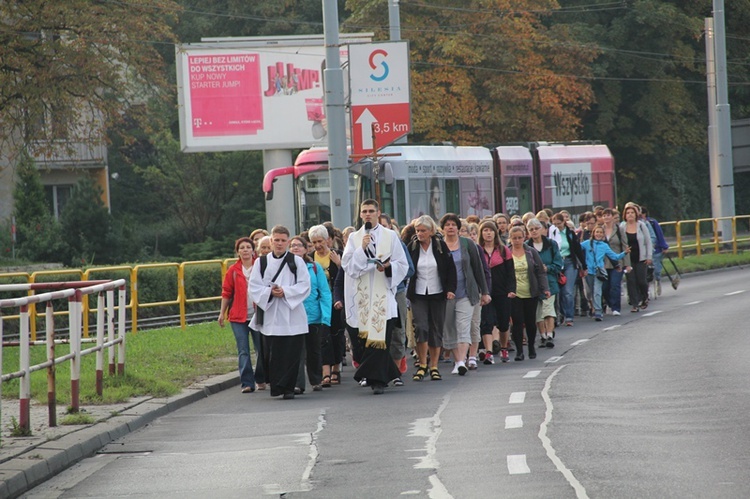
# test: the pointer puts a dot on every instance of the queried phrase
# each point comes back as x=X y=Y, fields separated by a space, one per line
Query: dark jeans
x=637 y=284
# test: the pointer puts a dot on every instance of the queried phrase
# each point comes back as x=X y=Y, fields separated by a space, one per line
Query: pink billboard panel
x=225 y=94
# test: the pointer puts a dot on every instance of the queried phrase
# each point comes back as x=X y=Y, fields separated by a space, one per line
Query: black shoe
x=495 y=347
x=519 y=356
x=378 y=390
x=288 y=396
x=543 y=343
x=532 y=353
x=550 y=343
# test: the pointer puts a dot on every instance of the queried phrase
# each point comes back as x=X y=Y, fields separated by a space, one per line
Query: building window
x=57 y=197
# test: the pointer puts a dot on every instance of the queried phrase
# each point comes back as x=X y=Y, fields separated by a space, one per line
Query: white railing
x=74 y=294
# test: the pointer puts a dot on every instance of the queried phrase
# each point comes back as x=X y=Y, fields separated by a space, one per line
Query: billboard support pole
x=333 y=80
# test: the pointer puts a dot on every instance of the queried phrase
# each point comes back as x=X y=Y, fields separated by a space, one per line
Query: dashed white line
x=612 y=328
x=651 y=314
x=581 y=342
x=532 y=374
x=517 y=398
x=734 y=293
x=547 y=444
x=556 y=358
x=512 y=422
x=517 y=465
x=694 y=302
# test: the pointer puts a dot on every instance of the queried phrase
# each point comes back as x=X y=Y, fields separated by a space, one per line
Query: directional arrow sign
x=365 y=120
x=379 y=93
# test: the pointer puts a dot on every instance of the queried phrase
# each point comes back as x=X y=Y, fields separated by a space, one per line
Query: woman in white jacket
x=641 y=254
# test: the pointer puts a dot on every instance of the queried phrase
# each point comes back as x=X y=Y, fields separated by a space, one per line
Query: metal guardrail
x=74 y=293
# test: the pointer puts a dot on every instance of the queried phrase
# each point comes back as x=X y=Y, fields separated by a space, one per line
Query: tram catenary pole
x=333 y=81
x=725 y=187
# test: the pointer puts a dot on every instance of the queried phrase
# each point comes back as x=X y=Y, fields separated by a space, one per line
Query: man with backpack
x=278 y=285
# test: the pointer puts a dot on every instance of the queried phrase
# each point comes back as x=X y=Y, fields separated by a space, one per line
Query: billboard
x=252 y=95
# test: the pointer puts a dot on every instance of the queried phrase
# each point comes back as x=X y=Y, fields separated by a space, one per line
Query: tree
x=488 y=71
x=651 y=95
x=86 y=224
x=199 y=190
x=38 y=232
x=69 y=69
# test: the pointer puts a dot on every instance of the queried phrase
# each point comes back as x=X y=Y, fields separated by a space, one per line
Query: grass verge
x=159 y=363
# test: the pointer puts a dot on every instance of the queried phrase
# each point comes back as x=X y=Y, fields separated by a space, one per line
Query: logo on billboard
x=383 y=64
x=290 y=82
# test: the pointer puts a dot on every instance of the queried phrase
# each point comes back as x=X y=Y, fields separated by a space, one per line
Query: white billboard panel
x=235 y=96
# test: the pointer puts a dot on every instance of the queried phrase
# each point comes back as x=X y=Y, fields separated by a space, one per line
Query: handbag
x=601 y=274
x=561 y=279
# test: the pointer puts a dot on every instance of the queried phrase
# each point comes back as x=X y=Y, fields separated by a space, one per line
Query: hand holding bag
x=601 y=274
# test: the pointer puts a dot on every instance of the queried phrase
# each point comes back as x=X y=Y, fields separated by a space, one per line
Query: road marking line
x=612 y=328
x=547 y=444
x=556 y=358
x=694 y=302
x=517 y=465
x=734 y=293
x=532 y=374
x=650 y=314
x=581 y=342
x=513 y=422
x=305 y=484
x=429 y=428
x=517 y=398
x=438 y=490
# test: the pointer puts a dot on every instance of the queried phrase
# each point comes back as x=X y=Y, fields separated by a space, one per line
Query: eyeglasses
x=534 y=228
x=296 y=245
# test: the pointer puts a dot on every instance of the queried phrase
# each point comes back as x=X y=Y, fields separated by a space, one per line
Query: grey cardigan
x=471 y=264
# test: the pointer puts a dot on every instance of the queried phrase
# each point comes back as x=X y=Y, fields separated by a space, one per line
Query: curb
x=40 y=463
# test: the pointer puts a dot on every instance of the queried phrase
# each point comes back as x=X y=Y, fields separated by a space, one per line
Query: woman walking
x=235 y=299
x=433 y=283
x=529 y=287
x=471 y=292
x=553 y=265
x=641 y=254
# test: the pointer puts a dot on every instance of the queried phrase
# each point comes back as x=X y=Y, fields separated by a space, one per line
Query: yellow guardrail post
x=116 y=268
x=181 y=294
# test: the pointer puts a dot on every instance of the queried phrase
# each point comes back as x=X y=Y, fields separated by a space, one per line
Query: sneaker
x=489 y=359
x=542 y=342
x=363 y=382
x=472 y=364
x=455 y=369
x=504 y=355
x=482 y=354
x=616 y=313
x=402 y=365
x=462 y=369
x=598 y=317
x=658 y=288
x=398 y=382
x=550 y=343
x=568 y=322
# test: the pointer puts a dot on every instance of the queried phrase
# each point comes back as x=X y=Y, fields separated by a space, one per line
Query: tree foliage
x=199 y=190
x=86 y=225
x=67 y=67
x=488 y=71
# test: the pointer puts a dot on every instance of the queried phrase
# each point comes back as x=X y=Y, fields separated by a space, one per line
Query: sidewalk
x=26 y=462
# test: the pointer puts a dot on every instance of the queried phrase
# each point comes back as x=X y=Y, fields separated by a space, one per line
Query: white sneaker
x=615 y=312
x=455 y=369
x=658 y=288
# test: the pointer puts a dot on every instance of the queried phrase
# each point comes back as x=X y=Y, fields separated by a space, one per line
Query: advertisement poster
x=234 y=97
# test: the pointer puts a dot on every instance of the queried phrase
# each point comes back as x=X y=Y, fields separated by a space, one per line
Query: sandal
x=435 y=375
x=326 y=383
x=336 y=378
x=419 y=375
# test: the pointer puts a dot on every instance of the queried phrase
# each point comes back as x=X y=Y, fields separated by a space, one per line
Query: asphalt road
x=653 y=404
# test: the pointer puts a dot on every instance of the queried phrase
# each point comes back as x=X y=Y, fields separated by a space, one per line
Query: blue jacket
x=657 y=238
x=319 y=302
x=595 y=256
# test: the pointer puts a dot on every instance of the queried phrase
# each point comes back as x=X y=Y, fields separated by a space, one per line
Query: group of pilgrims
x=459 y=291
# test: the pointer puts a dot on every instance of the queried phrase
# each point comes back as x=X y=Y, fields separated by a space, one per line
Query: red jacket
x=235 y=289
